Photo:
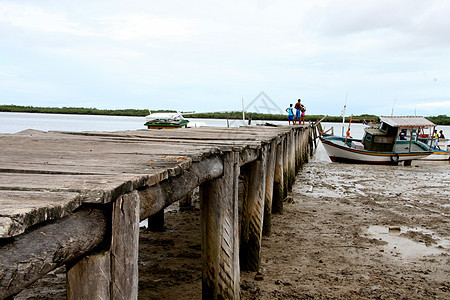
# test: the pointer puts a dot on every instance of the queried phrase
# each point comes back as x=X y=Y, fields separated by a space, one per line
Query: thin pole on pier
x=243 y=112
x=343 y=114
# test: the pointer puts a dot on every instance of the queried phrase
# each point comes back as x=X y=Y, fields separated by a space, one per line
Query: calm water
x=15 y=122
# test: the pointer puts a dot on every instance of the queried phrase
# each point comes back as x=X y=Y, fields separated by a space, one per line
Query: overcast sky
x=208 y=55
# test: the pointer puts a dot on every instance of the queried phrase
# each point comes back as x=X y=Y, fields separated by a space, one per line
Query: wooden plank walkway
x=93 y=188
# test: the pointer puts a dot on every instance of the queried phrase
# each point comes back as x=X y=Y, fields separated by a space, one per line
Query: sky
x=377 y=57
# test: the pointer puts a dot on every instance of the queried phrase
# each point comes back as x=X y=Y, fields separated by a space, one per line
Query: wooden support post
x=269 y=191
x=186 y=202
x=90 y=278
x=278 y=184
x=298 y=152
x=125 y=247
x=156 y=222
x=219 y=226
x=314 y=130
x=112 y=274
x=254 y=177
x=306 y=145
x=285 y=167
x=311 y=145
x=291 y=159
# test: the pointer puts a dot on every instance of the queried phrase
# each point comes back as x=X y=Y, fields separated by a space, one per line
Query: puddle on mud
x=405 y=247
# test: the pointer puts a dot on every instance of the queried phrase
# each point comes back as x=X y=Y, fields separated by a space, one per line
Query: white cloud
x=443 y=106
x=36 y=19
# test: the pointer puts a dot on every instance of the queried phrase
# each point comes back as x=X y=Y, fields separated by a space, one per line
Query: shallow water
x=408 y=249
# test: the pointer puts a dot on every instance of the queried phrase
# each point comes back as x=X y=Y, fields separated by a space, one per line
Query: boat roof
x=407 y=121
x=374 y=131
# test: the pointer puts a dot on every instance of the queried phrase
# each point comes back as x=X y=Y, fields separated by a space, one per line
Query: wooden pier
x=76 y=199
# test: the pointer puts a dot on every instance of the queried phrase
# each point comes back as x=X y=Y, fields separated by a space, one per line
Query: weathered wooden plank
x=21 y=209
x=219 y=214
x=92 y=188
x=30 y=256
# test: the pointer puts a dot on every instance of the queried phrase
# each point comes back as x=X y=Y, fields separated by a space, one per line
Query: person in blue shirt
x=290 y=111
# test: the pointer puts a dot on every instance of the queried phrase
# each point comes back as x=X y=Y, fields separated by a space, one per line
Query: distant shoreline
x=438 y=120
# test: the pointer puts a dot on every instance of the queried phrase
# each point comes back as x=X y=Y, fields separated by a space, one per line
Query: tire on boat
x=395 y=158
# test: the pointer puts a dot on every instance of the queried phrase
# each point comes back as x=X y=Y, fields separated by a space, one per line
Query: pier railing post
x=254 y=177
x=219 y=226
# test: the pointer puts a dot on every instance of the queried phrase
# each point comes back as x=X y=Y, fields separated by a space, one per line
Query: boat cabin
x=393 y=131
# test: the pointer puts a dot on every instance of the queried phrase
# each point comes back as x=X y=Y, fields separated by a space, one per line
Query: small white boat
x=165 y=121
x=381 y=145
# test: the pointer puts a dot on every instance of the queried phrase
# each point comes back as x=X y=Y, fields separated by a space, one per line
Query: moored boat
x=383 y=145
x=165 y=121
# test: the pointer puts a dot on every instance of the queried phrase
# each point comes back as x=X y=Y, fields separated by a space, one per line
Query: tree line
x=439 y=120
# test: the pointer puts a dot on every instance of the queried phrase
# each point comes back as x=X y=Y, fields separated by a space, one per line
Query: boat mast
x=392 y=111
x=343 y=114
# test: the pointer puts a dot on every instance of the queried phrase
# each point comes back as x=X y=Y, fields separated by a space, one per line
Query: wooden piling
x=286 y=172
x=125 y=247
x=156 y=222
x=219 y=226
x=254 y=177
x=90 y=278
x=269 y=190
x=291 y=158
x=278 y=180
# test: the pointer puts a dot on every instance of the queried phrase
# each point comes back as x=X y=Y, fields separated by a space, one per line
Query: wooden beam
x=30 y=256
x=161 y=195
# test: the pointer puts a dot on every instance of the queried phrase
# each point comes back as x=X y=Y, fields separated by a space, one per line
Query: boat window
x=368 y=137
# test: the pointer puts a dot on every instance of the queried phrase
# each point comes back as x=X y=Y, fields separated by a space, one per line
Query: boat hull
x=441 y=154
x=158 y=124
x=345 y=154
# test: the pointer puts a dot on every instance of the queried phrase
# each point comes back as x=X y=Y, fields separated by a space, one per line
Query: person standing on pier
x=298 y=108
x=290 y=112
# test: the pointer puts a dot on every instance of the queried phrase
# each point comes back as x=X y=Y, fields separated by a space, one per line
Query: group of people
x=436 y=137
x=300 y=112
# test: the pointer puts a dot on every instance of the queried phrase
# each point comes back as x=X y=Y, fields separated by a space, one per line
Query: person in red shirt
x=298 y=109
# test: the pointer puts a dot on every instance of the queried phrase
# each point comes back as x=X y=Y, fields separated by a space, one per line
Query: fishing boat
x=382 y=145
x=165 y=121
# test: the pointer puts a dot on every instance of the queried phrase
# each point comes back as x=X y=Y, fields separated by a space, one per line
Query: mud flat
x=358 y=231
x=350 y=231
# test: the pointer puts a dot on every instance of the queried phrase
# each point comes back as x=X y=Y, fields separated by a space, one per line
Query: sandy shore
x=350 y=231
